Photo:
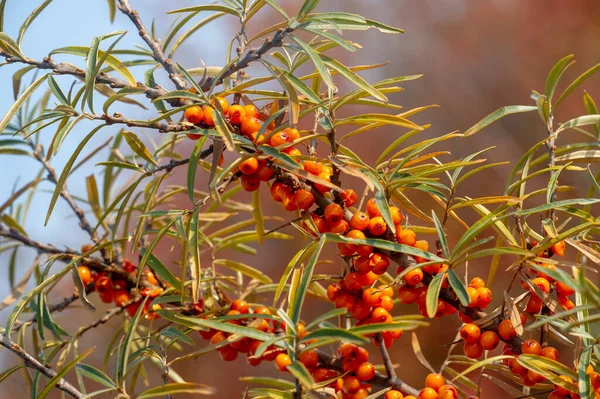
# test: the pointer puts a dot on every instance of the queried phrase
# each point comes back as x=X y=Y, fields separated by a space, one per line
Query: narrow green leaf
x=16 y=79
x=139 y=147
x=577 y=122
x=193 y=165
x=494 y=116
x=316 y=59
x=554 y=76
x=459 y=287
x=433 y=294
x=112 y=10
x=353 y=77
x=223 y=130
x=306 y=8
x=16 y=106
x=257 y=214
x=592 y=109
x=244 y=269
x=206 y=7
x=62 y=372
x=338 y=334
x=557 y=205
x=161 y=270
x=172 y=332
x=177 y=388
x=94 y=374
x=580 y=79
x=441 y=234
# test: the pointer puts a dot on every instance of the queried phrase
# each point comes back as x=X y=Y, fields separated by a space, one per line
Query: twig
x=162 y=127
x=385 y=356
x=33 y=363
x=157 y=52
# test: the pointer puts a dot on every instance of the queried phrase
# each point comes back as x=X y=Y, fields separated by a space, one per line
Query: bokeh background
x=476 y=56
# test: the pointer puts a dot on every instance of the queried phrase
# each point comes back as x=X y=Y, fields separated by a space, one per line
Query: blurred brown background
x=476 y=56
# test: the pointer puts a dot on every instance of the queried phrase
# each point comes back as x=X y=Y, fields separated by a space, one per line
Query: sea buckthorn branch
x=65 y=68
x=162 y=127
x=32 y=363
x=157 y=52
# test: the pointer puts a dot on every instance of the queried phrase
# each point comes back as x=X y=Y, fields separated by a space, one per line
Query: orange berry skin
x=207 y=116
x=379 y=263
x=435 y=381
x=359 y=221
x=263 y=172
x=364 y=250
x=565 y=302
x=355 y=234
x=396 y=215
x=362 y=264
x=333 y=213
x=485 y=297
x=448 y=388
x=293 y=133
x=361 y=310
x=474 y=296
x=559 y=248
x=236 y=114
x=313 y=167
x=387 y=303
x=250 y=125
x=193 y=114
x=292 y=152
x=531 y=347
x=564 y=289
x=473 y=350
x=85 y=274
x=249 y=166
x=506 y=330
x=353 y=282
x=386 y=290
x=310 y=358
x=372 y=208
x=365 y=371
x=282 y=361
x=279 y=138
x=377 y=226
x=477 y=282
x=489 y=340
x=534 y=304
x=406 y=237
x=351 y=384
x=275 y=190
x=407 y=295
x=393 y=394
x=344 y=300
x=549 y=353
x=241 y=306
x=380 y=315
x=228 y=354
x=349 y=196
x=413 y=277
x=372 y=297
x=542 y=283
x=303 y=199
x=250 y=182
x=224 y=104
x=250 y=111
x=470 y=333
x=428 y=393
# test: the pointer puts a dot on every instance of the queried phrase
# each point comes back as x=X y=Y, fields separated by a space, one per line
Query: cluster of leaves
x=132 y=210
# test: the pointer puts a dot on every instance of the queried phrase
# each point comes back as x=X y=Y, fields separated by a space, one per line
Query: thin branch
x=157 y=52
x=33 y=363
x=162 y=127
x=385 y=356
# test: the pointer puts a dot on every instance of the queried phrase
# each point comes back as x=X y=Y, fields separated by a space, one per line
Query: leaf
x=9 y=46
x=126 y=343
x=81 y=289
x=555 y=74
x=557 y=205
x=161 y=270
x=296 y=260
x=459 y=287
x=295 y=306
x=206 y=7
x=419 y=353
x=94 y=374
x=353 y=77
x=193 y=29
x=494 y=116
x=481 y=363
x=16 y=106
x=62 y=372
x=316 y=59
x=119 y=96
x=112 y=61
x=193 y=165
x=172 y=332
x=384 y=208
x=223 y=130
x=299 y=371
x=244 y=269
x=112 y=9
x=433 y=293
x=8 y=372
x=386 y=119
x=591 y=108
x=577 y=122
x=257 y=214
x=65 y=173
x=306 y=8
x=337 y=334
x=513 y=313
x=441 y=234
x=17 y=79
x=580 y=79
x=580 y=156
x=177 y=388
x=139 y=147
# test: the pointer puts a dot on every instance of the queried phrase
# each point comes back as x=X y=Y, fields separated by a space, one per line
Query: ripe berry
x=282 y=361
x=377 y=226
x=406 y=237
x=372 y=208
x=435 y=381
x=559 y=248
x=489 y=340
x=310 y=358
x=473 y=350
x=372 y=297
x=263 y=172
x=531 y=347
x=193 y=114
x=349 y=196
x=85 y=274
x=386 y=290
x=279 y=138
x=361 y=310
x=250 y=126
x=549 y=353
x=564 y=289
x=542 y=284
x=393 y=394
x=240 y=305
x=428 y=393
x=250 y=182
x=359 y=221
x=407 y=295
x=293 y=134
x=207 y=116
x=228 y=354
x=353 y=282
x=354 y=234
x=379 y=263
x=473 y=296
x=506 y=330
x=351 y=384
x=485 y=297
x=365 y=371
x=396 y=215
x=333 y=213
x=224 y=104
x=303 y=199
x=250 y=111
x=470 y=333
x=534 y=304
x=380 y=315
x=413 y=277
x=565 y=302
x=236 y=114
x=249 y=166
x=275 y=190
x=344 y=300
x=313 y=167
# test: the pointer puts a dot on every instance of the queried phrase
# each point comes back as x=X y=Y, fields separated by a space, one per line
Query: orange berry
x=303 y=199
x=380 y=315
x=372 y=208
x=349 y=196
x=477 y=282
x=393 y=394
x=224 y=104
x=236 y=114
x=564 y=289
x=275 y=190
x=422 y=245
x=292 y=152
x=359 y=221
x=470 y=333
x=193 y=114
x=241 y=306
x=364 y=250
x=406 y=237
x=372 y=297
x=379 y=263
x=353 y=282
x=489 y=340
x=473 y=296
x=313 y=167
x=250 y=182
x=396 y=215
x=365 y=371
x=344 y=300
x=263 y=172
x=534 y=304
x=413 y=277
x=531 y=347
x=362 y=264
x=448 y=388
x=559 y=248
x=485 y=297
x=428 y=393
x=506 y=330
x=387 y=303
x=320 y=187
x=354 y=234
x=377 y=226
x=435 y=381
x=386 y=290
x=207 y=116
x=250 y=125
x=293 y=134
x=333 y=213
x=361 y=310
x=473 y=350
x=407 y=295
x=565 y=302
x=249 y=166
x=548 y=266
x=343 y=249
x=250 y=111
x=85 y=274
x=279 y=138
x=542 y=284
x=282 y=361
x=549 y=353
x=351 y=384
x=228 y=354
x=310 y=358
